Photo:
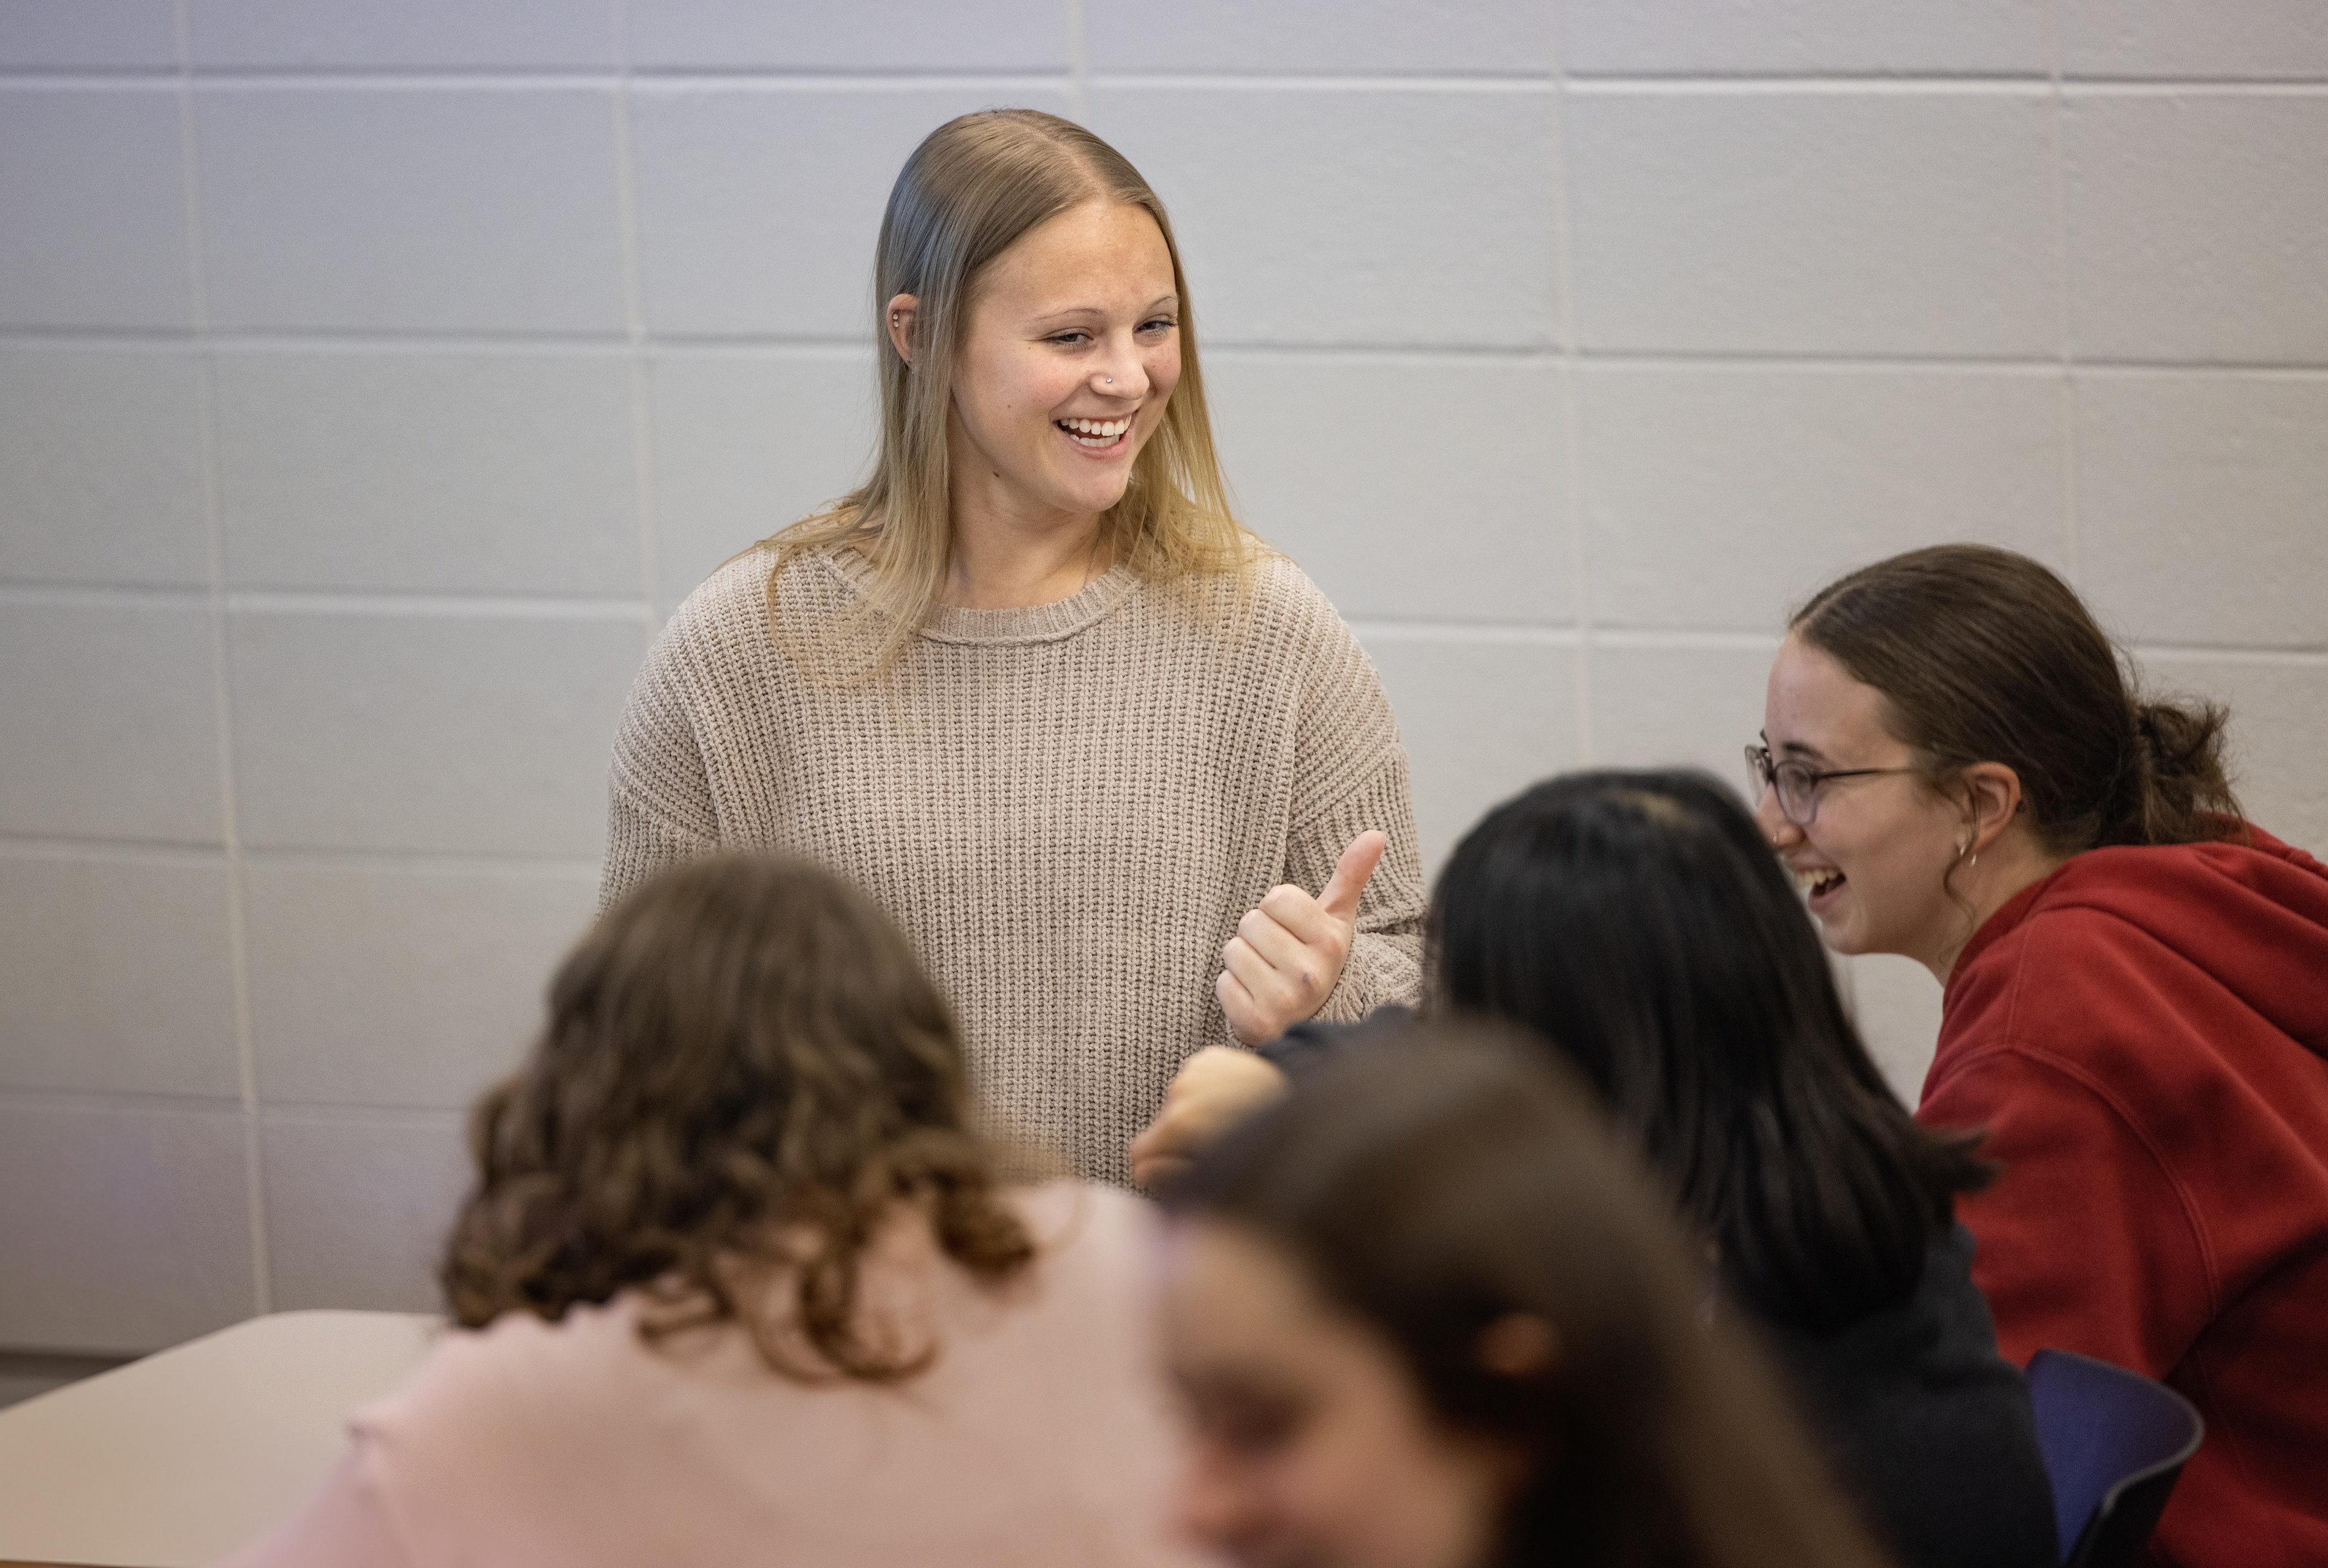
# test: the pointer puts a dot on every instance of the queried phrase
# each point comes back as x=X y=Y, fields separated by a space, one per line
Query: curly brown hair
x=744 y=1073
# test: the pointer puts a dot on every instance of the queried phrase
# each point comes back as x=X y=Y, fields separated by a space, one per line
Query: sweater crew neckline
x=1029 y=624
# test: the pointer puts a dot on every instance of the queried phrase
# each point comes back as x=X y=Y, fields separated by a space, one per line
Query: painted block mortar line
x=103 y=596
x=1707 y=360
x=1394 y=630
x=1078 y=64
x=1533 y=81
x=1563 y=314
x=1716 y=80
x=309 y=79
x=1928 y=82
x=743 y=78
x=331 y=79
x=261 y=601
x=127 y=339
x=2193 y=87
x=411 y=343
x=2065 y=400
x=1607 y=635
x=1825 y=360
x=122 y=1102
x=2034 y=86
x=1563 y=634
x=111 y=852
x=333 y=1113
x=626 y=216
x=222 y=685
x=156 y=78
x=150 y=852
x=690 y=81
x=66 y=76
x=547 y=867
x=2094 y=370
x=335 y=340
x=853 y=352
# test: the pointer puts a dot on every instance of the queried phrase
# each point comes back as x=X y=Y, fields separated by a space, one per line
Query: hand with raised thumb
x=1288 y=950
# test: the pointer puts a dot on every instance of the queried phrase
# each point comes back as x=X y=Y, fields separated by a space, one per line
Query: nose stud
x=1109 y=379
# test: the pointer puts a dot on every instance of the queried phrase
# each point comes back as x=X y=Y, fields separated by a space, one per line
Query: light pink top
x=1040 y=1435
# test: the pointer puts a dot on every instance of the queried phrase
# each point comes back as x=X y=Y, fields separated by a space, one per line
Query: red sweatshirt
x=2144 y=1034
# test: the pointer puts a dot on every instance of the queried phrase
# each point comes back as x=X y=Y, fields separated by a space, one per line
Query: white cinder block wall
x=375 y=377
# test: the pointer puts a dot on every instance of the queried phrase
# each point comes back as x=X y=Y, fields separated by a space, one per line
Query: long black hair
x=1639 y=922
x=1443 y=1178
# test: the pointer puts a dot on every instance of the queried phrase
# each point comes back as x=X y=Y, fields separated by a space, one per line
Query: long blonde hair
x=969 y=191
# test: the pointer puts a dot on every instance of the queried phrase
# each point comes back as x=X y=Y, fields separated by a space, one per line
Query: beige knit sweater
x=1067 y=808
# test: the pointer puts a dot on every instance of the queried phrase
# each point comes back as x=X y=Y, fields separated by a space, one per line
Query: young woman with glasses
x=2135 y=1001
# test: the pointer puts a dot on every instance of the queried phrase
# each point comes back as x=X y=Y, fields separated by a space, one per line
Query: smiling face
x=1310 y=1443
x=1877 y=853
x=1069 y=355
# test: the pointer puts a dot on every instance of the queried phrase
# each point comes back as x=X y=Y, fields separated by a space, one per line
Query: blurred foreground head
x=1427 y=1316
x=744 y=1069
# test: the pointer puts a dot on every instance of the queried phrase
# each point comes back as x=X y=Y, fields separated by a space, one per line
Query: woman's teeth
x=1817 y=882
x=1094 y=432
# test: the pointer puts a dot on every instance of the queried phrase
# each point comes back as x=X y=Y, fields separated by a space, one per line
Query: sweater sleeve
x=658 y=805
x=1353 y=777
x=1386 y=961
x=2086 y=1241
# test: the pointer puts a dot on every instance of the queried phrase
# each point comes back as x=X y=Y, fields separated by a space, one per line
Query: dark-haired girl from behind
x=738 y=1283
x=1961 y=768
x=1638 y=923
x=1426 y=1316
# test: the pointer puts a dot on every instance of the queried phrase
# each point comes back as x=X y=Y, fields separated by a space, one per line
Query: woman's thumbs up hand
x=1281 y=964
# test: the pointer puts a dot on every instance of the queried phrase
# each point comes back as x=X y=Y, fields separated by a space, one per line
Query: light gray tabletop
x=173 y=1460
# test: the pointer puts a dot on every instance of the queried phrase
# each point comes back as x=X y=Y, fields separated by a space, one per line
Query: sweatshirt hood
x=2253 y=916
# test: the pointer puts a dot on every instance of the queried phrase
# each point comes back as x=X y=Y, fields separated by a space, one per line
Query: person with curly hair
x=738 y=1280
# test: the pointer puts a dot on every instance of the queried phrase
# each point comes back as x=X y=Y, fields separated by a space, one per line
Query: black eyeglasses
x=1797 y=782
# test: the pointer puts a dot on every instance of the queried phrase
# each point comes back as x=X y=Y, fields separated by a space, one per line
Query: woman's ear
x=1522 y=1345
x=901 y=325
x=1992 y=800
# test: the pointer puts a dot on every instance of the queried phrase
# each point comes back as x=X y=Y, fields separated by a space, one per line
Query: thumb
x=1340 y=898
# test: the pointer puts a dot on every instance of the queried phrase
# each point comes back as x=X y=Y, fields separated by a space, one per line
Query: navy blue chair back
x=2113 y=1442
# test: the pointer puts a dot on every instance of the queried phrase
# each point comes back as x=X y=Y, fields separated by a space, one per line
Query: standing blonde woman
x=1122 y=776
